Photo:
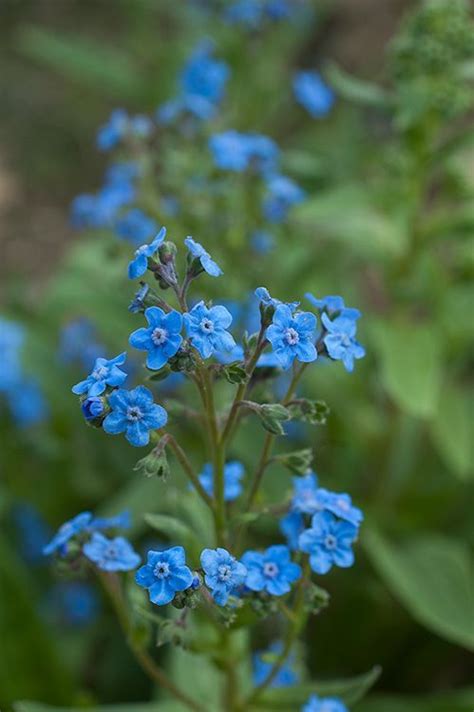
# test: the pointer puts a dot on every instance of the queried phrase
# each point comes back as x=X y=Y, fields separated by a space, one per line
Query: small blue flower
x=137 y=305
x=233 y=473
x=203 y=75
x=235 y=151
x=271 y=571
x=165 y=573
x=313 y=94
x=291 y=525
x=328 y=542
x=161 y=339
x=285 y=677
x=78 y=343
x=27 y=403
x=332 y=305
x=341 y=505
x=105 y=373
x=101 y=209
x=12 y=336
x=139 y=265
x=292 y=336
x=207 y=329
x=324 y=704
x=283 y=192
x=199 y=253
x=136 y=227
x=340 y=340
x=92 y=407
x=118 y=521
x=308 y=498
x=67 y=531
x=135 y=414
x=111 y=554
x=264 y=296
x=223 y=573
x=33 y=532
x=188 y=107
x=121 y=125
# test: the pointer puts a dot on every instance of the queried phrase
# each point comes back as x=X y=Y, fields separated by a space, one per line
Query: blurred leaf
x=452 y=431
x=22 y=635
x=349 y=214
x=91 y=64
x=26 y=706
x=174 y=529
x=357 y=90
x=411 y=364
x=432 y=577
x=455 y=701
x=349 y=690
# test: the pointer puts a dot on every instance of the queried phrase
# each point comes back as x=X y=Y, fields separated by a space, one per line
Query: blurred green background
x=388 y=222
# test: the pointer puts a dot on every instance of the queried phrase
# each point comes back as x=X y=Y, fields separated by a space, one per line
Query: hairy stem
x=188 y=469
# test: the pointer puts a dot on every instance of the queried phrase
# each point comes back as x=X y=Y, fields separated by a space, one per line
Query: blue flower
x=92 y=407
x=119 y=521
x=66 y=531
x=223 y=573
x=328 y=542
x=33 y=532
x=161 y=339
x=199 y=253
x=105 y=373
x=341 y=505
x=291 y=525
x=77 y=343
x=324 y=704
x=100 y=210
x=271 y=571
x=134 y=413
x=207 y=329
x=292 y=336
x=139 y=264
x=264 y=296
x=136 y=227
x=119 y=126
x=27 y=403
x=233 y=473
x=313 y=94
x=283 y=192
x=285 y=677
x=12 y=336
x=308 y=498
x=165 y=573
x=340 y=340
x=203 y=75
x=111 y=554
x=137 y=305
x=333 y=304
x=190 y=106
x=234 y=151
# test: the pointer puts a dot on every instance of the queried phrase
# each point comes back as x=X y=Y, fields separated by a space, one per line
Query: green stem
x=188 y=469
x=111 y=585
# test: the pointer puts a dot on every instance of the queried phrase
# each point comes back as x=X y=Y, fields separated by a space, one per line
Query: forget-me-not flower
x=162 y=338
x=341 y=505
x=292 y=336
x=272 y=570
x=207 y=329
x=92 y=407
x=340 y=340
x=333 y=304
x=328 y=542
x=120 y=124
x=106 y=372
x=139 y=265
x=313 y=94
x=223 y=573
x=118 y=521
x=291 y=525
x=264 y=296
x=203 y=75
x=67 y=531
x=324 y=704
x=282 y=193
x=199 y=253
x=233 y=473
x=111 y=554
x=134 y=413
x=136 y=227
x=235 y=151
x=308 y=498
x=165 y=573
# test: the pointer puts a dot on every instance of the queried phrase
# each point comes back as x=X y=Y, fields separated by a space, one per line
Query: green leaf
x=235 y=373
x=174 y=529
x=357 y=90
x=348 y=690
x=26 y=706
x=455 y=701
x=432 y=577
x=85 y=61
x=411 y=365
x=350 y=215
x=452 y=431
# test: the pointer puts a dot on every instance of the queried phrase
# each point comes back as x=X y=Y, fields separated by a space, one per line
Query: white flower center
x=270 y=569
x=207 y=326
x=134 y=413
x=342 y=504
x=224 y=572
x=161 y=570
x=141 y=250
x=159 y=336
x=100 y=372
x=291 y=335
x=345 y=340
x=330 y=542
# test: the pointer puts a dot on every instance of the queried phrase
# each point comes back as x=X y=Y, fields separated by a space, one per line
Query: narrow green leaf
x=357 y=90
x=452 y=431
